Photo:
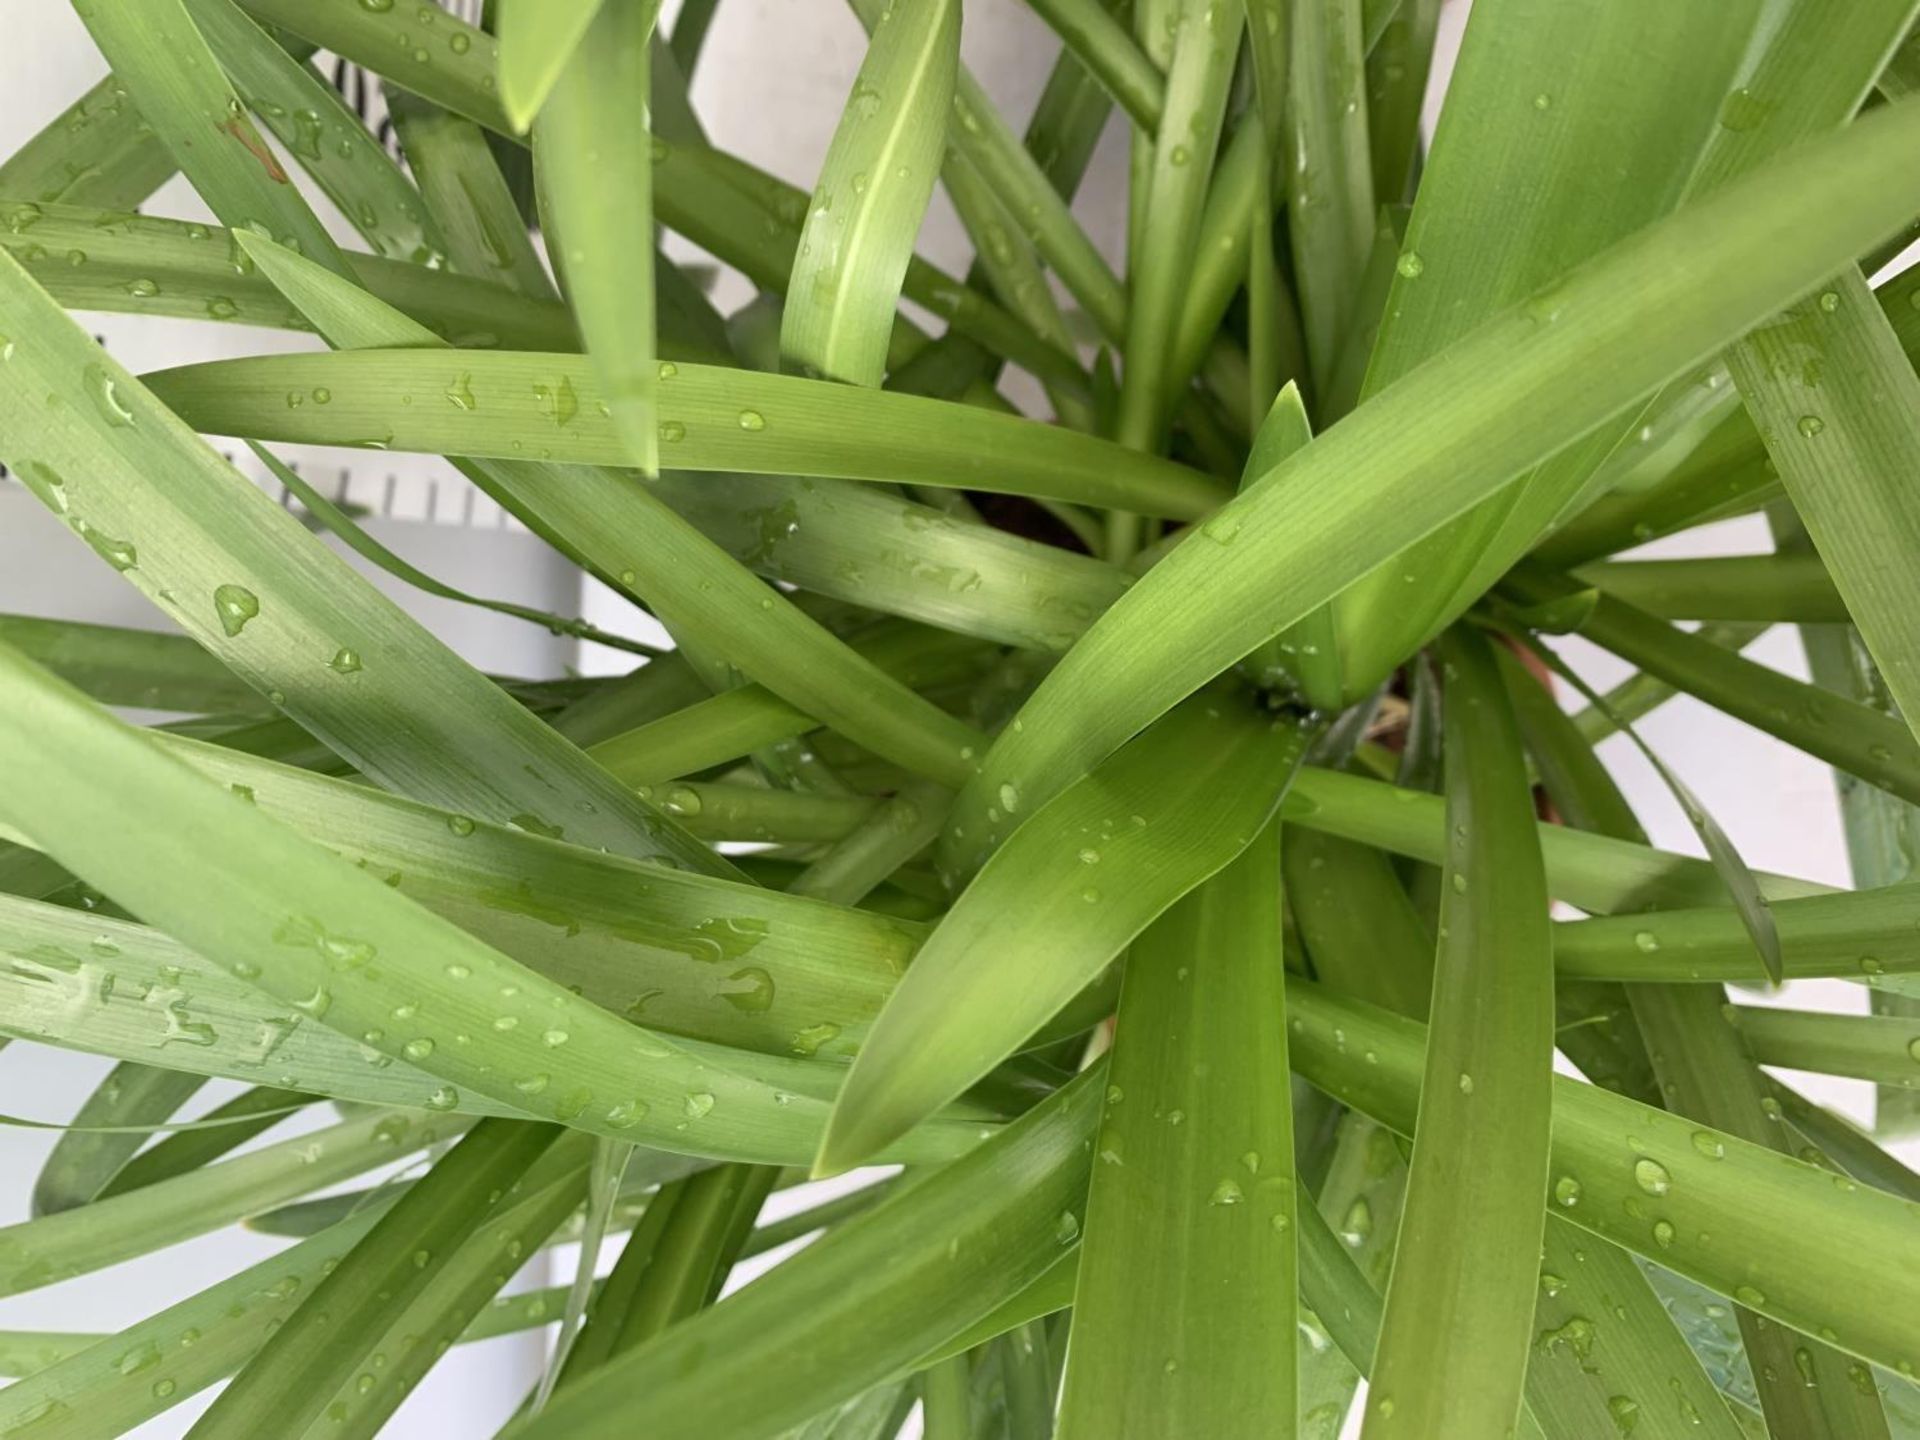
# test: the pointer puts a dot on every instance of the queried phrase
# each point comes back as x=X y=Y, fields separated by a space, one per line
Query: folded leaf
x=873 y=190
x=597 y=174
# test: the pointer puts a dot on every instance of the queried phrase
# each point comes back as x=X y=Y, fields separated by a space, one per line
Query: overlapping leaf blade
x=355 y=871
x=1502 y=212
x=342 y=949
x=1427 y=449
x=867 y=1302
x=243 y=577
x=174 y=77
x=1091 y=869
x=1775 y=1233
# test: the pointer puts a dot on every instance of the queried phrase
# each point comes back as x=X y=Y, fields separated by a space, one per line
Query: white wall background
x=770 y=85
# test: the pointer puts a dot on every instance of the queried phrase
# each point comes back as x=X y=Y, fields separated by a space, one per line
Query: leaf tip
x=854 y=1134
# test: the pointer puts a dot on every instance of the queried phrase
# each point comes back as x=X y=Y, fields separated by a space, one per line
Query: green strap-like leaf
x=168 y=999
x=760 y=238
x=1829 y=388
x=728 y=963
x=1629 y=1372
x=596 y=174
x=84 y=1161
x=1805 y=76
x=1838 y=403
x=1453 y=431
x=606 y=1174
x=757 y=231
x=669 y=947
x=1366 y=941
x=1305 y=650
x=1776 y=1234
x=363 y=544
x=320 y=935
x=1106 y=49
x=675 y=1268
x=537 y=40
x=1721 y=473
x=24 y=1351
x=454 y=1304
x=646 y=1170
x=1399 y=38
x=436 y=55
x=1702 y=1068
x=117 y=261
x=99 y=1391
x=1219 y=265
x=1362 y=330
x=250 y=1113
x=108 y=1387
x=1024 y=189
x=100 y=150
x=514 y=406
x=696 y=586
x=690 y=29
x=143 y=668
x=1742 y=887
x=329 y=1337
x=1876 y=825
x=980 y=132
x=1640 y=694
x=1858 y=934
x=863 y=544
x=201 y=1022
x=873 y=189
x=897 y=830
x=76 y=1242
x=308 y=116
x=1091 y=870
x=1868 y=1047
x=1205 y=48
x=1841 y=1141
x=946 y=1399
x=1596 y=1029
x=1864 y=742
x=1330 y=204
x=173 y=76
x=1503 y=210
x=1351 y=909
x=1749 y=588
x=248 y=581
x=1184 y=1316
x=1004 y=258
x=724 y=727
x=752 y=221
x=866 y=1302
x=1594 y=872
x=465 y=192
x=1459 y=1307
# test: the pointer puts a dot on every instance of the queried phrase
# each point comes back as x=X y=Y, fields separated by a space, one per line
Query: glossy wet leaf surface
x=1105 y=757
